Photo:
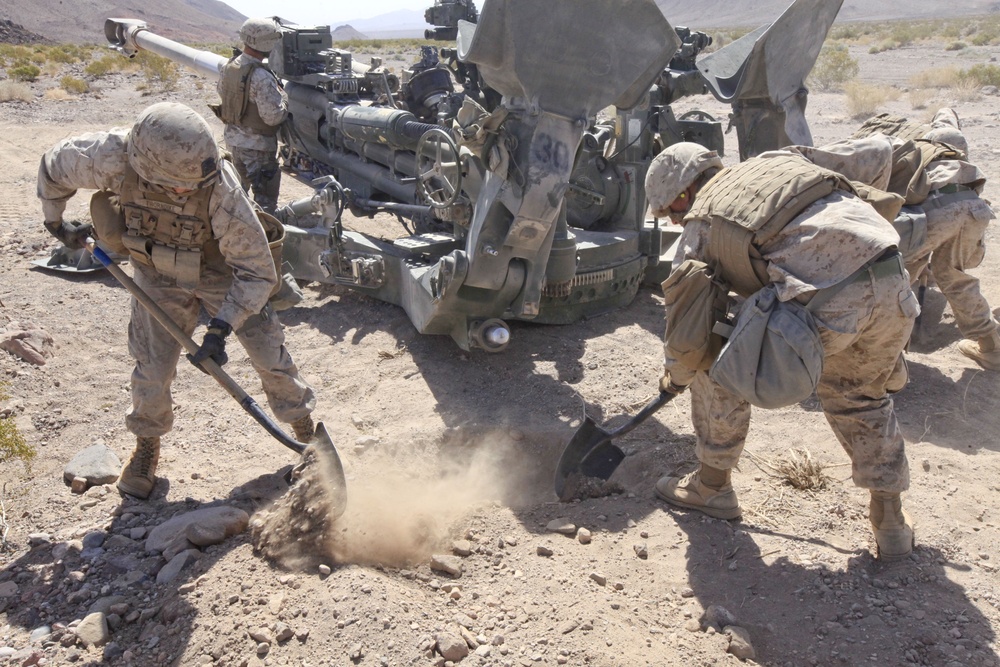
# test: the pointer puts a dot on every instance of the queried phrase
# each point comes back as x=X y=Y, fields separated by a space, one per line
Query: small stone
x=38 y=539
x=583 y=536
x=93 y=630
x=173 y=568
x=719 y=617
x=739 y=643
x=598 y=578
x=567 y=627
x=452 y=647
x=692 y=625
x=78 y=485
x=543 y=550
x=641 y=551
x=283 y=633
x=564 y=526
x=97 y=464
x=261 y=635
x=356 y=652
x=448 y=564
x=324 y=569
x=461 y=548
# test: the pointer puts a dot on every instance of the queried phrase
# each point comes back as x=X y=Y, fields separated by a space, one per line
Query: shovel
x=322 y=446
x=590 y=453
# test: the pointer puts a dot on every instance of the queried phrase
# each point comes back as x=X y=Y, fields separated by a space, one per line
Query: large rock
x=93 y=630
x=27 y=342
x=97 y=464
x=209 y=525
x=451 y=646
x=170 y=571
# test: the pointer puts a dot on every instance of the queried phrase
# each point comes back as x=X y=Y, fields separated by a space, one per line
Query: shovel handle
x=658 y=402
x=222 y=377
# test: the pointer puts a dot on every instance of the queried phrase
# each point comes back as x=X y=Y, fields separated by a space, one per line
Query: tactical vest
x=237 y=108
x=909 y=164
x=893 y=126
x=175 y=239
x=748 y=204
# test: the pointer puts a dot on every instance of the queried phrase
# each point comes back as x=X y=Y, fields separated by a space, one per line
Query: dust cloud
x=395 y=516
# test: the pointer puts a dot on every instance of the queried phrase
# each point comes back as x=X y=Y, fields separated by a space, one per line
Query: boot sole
x=714 y=512
x=132 y=491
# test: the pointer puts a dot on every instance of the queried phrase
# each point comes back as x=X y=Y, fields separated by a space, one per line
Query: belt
x=889 y=263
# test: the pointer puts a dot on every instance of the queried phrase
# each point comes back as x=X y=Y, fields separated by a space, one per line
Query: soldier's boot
x=985 y=351
x=707 y=490
x=304 y=428
x=893 y=528
x=139 y=475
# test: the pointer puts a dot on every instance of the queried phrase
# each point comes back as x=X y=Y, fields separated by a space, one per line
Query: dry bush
x=27 y=72
x=12 y=91
x=956 y=46
x=936 y=77
x=865 y=100
x=57 y=95
x=799 y=469
x=920 y=98
x=73 y=85
x=834 y=67
x=966 y=90
x=161 y=73
x=51 y=69
x=105 y=65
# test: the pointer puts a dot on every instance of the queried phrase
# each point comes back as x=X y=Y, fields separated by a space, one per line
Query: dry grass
x=865 y=100
x=11 y=91
x=797 y=469
x=57 y=95
x=921 y=98
x=966 y=90
x=936 y=77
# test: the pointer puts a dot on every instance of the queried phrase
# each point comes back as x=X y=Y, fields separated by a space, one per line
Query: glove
x=671 y=386
x=213 y=346
x=72 y=234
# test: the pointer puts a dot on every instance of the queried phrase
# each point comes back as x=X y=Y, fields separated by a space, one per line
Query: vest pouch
x=109 y=221
x=184 y=266
x=286 y=292
x=911 y=225
x=774 y=357
x=695 y=302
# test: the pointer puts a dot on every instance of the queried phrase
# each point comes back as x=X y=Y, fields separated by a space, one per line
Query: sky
x=324 y=12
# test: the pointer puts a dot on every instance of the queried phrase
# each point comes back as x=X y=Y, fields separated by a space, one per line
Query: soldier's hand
x=213 y=346
x=72 y=234
x=670 y=385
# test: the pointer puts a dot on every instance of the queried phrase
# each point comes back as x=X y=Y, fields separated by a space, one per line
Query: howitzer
x=524 y=194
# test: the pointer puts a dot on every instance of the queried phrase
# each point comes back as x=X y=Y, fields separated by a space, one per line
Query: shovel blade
x=331 y=469
x=588 y=438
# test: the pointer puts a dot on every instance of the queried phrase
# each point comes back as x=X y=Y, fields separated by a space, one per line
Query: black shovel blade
x=574 y=460
x=331 y=469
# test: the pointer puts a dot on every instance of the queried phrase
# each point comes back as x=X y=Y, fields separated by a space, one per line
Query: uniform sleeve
x=94 y=161
x=269 y=96
x=243 y=245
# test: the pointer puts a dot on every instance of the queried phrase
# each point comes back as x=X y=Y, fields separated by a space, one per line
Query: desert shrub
x=921 y=98
x=161 y=73
x=65 y=53
x=936 y=77
x=865 y=100
x=71 y=84
x=983 y=38
x=24 y=72
x=982 y=75
x=834 y=67
x=956 y=46
x=104 y=65
x=51 y=69
x=11 y=91
x=884 y=45
x=56 y=95
x=966 y=90
x=12 y=442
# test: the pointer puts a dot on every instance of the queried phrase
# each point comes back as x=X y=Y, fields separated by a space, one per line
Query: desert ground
x=450 y=458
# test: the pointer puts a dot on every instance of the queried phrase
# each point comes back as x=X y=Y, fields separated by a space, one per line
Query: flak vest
x=236 y=107
x=173 y=238
x=748 y=204
x=909 y=168
x=893 y=126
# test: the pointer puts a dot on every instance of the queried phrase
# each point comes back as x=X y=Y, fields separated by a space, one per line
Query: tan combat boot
x=304 y=428
x=985 y=351
x=139 y=475
x=893 y=528
x=707 y=490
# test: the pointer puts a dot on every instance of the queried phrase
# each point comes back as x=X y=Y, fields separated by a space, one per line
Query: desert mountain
x=82 y=21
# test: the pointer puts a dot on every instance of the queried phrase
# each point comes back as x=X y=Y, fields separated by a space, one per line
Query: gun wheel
x=439 y=171
x=697 y=114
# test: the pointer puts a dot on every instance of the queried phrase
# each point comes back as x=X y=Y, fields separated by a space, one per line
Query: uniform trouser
x=156 y=352
x=955 y=242
x=873 y=320
x=260 y=174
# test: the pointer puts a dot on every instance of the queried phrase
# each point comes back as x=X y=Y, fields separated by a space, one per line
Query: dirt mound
x=13 y=33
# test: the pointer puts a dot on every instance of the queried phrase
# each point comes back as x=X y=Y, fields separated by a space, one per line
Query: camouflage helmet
x=171 y=145
x=949 y=135
x=260 y=34
x=674 y=170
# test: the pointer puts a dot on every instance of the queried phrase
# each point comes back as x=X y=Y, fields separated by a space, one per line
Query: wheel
x=697 y=114
x=439 y=172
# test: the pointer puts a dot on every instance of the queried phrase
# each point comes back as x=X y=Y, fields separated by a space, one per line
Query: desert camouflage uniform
x=956 y=241
x=864 y=329
x=98 y=161
x=255 y=155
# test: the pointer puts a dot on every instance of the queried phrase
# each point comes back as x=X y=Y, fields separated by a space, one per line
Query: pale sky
x=323 y=12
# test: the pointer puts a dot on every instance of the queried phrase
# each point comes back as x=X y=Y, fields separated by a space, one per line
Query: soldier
x=253 y=107
x=176 y=208
x=828 y=240
x=947 y=189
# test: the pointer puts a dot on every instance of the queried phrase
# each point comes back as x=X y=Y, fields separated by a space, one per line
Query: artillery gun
x=522 y=192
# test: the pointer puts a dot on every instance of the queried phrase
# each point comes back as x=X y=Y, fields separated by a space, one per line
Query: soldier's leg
x=240 y=159
x=721 y=422
x=263 y=176
x=963 y=249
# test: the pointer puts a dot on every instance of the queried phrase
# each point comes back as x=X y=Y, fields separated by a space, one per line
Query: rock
x=718 y=617
x=989 y=90
x=641 y=550
x=448 y=564
x=324 y=570
x=583 y=536
x=112 y=652
x=211 y=525
x=137 y=533
x=564 y=526
x=261 y=635
x=356 y=652
x=543 y=550
x=93 y=630
x=109 y=604
x=461 y=548
x=365 y=442
x=283 y=633
x=6 y=652
x=27 y=342
x=173 y=568
x=692 y=625
x=38 y=539
x=78 y=485
x=567 y=627
x=39 y=633
x=739 y=643
x=94 y=539
x=451 y=647
x=598 y=578
x=8 y=589
x=97 y=464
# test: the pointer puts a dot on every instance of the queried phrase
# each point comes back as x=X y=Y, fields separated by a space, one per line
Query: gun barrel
x=129 y=36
